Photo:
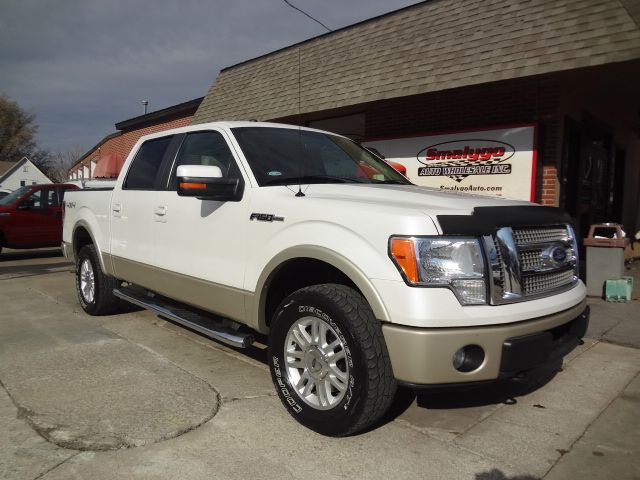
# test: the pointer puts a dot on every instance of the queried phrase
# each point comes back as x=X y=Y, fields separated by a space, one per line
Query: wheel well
x=81 y=238
x=296 y=274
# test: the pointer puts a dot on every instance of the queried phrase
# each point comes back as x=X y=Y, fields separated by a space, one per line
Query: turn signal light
x=200 y=186
x=404 y=254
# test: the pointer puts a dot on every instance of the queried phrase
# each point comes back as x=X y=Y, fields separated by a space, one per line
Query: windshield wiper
x=309 y=179
x=389 y=182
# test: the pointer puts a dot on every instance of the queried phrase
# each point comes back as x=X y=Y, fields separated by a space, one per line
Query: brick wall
x=549 y=189
x=122 y=144
x=534 y=100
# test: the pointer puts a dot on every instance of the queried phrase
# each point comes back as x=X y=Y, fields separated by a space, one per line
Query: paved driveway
x=134 y=396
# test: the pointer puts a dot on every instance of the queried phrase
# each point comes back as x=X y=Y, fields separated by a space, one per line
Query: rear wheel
x=329 y=361
x=94 y=288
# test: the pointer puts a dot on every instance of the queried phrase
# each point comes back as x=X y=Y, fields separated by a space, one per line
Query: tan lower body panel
x=425 y=355
x=225 y=301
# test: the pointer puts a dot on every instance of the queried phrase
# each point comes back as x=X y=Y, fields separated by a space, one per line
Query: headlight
x=452 y=262
x=572 y=254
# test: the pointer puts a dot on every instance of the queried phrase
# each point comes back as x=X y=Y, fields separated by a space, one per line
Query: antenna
x=300 y=192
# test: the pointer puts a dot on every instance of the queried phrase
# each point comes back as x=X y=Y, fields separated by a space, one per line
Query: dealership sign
x=498 y=162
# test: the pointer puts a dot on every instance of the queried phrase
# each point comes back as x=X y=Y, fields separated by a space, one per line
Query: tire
x=329 y=361
x=94 y=288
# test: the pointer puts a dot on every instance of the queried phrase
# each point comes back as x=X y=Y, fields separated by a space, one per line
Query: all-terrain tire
x=329 y=361
x=94 y=287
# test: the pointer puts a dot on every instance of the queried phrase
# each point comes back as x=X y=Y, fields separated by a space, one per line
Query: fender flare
x=338 y=261
x=83 y=224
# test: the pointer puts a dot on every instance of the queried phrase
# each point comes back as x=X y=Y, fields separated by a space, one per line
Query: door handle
x=117 y=208
x=161 y=211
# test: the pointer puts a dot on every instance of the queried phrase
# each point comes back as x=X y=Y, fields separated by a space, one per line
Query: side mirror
x=205 y=182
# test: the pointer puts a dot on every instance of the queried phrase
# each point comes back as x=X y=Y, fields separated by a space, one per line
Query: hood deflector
x=487 y=220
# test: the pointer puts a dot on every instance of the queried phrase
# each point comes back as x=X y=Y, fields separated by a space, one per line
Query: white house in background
x=14 y=175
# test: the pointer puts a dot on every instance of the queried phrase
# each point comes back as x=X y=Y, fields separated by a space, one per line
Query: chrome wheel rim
x=87 y=281
x=316 y=363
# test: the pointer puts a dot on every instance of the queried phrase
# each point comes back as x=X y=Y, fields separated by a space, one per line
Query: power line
x=307 y=15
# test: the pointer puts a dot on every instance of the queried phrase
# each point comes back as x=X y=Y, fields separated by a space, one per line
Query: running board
x=208 y=326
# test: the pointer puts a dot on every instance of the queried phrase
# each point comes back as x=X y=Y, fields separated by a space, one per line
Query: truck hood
x=405 y=197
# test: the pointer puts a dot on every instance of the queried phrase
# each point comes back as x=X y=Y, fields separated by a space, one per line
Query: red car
x=31 y=217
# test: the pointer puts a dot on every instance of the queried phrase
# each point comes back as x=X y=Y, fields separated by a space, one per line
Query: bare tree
x=58 y=163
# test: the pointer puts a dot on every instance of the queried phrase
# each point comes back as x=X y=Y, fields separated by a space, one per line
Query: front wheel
x=329 y=362
x=94 y=288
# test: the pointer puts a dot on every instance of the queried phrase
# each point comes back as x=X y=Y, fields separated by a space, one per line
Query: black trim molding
x=487 y=220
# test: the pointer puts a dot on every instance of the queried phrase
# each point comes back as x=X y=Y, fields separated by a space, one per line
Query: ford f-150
x=361 y=280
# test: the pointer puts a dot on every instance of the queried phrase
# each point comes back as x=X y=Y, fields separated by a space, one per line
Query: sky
x=83 y=65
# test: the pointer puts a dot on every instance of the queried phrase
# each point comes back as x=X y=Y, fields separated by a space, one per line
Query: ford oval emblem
x=559 y=254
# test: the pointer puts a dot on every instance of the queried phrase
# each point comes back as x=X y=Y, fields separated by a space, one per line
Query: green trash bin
x=605 y=256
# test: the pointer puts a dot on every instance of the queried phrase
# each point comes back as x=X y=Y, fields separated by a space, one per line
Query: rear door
x=132 y=214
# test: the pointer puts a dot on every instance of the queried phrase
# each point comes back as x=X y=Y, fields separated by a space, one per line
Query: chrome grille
x=530 y=259
x=531 y=262
x=536 y=284
x=525 y=236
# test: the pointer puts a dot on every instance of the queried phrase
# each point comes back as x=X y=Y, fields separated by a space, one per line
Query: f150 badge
x=266 y=217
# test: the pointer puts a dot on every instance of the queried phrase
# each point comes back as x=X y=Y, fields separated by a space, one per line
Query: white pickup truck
x=361 y=280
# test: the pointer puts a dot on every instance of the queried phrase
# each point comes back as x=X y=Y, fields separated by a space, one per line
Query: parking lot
x=135 y=396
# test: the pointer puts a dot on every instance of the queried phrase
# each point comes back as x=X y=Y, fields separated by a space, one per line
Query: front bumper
x=424 y=356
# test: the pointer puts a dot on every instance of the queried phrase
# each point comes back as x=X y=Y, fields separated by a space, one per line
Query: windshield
x=9 y=199
x=284 y=156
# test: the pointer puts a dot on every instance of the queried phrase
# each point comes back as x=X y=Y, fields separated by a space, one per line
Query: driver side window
x=205 y=148
x=33 y=201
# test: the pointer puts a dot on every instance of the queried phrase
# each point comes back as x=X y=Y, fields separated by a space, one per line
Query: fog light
x=471 y=292
x=468 y=358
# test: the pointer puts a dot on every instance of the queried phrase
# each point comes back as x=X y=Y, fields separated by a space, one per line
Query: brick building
x=105 y=159
x=568 y=70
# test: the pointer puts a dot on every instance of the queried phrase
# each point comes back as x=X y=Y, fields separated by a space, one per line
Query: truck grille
x=524 y=236
x=531 y=262
x=535 y=284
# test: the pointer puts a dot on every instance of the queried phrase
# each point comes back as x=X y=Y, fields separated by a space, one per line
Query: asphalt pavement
x=135 y=396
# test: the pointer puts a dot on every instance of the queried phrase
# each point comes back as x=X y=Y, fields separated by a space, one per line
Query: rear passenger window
x=51 y=198
x=145 y=169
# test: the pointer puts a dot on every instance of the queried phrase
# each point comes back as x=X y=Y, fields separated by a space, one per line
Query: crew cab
x=31 y=217
x=361 y=280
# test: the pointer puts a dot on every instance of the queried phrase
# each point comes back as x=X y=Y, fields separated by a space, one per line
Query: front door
x=37 y=221
x=200 y=245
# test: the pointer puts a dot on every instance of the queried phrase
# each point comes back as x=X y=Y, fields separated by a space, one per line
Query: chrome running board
x=210 y=326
